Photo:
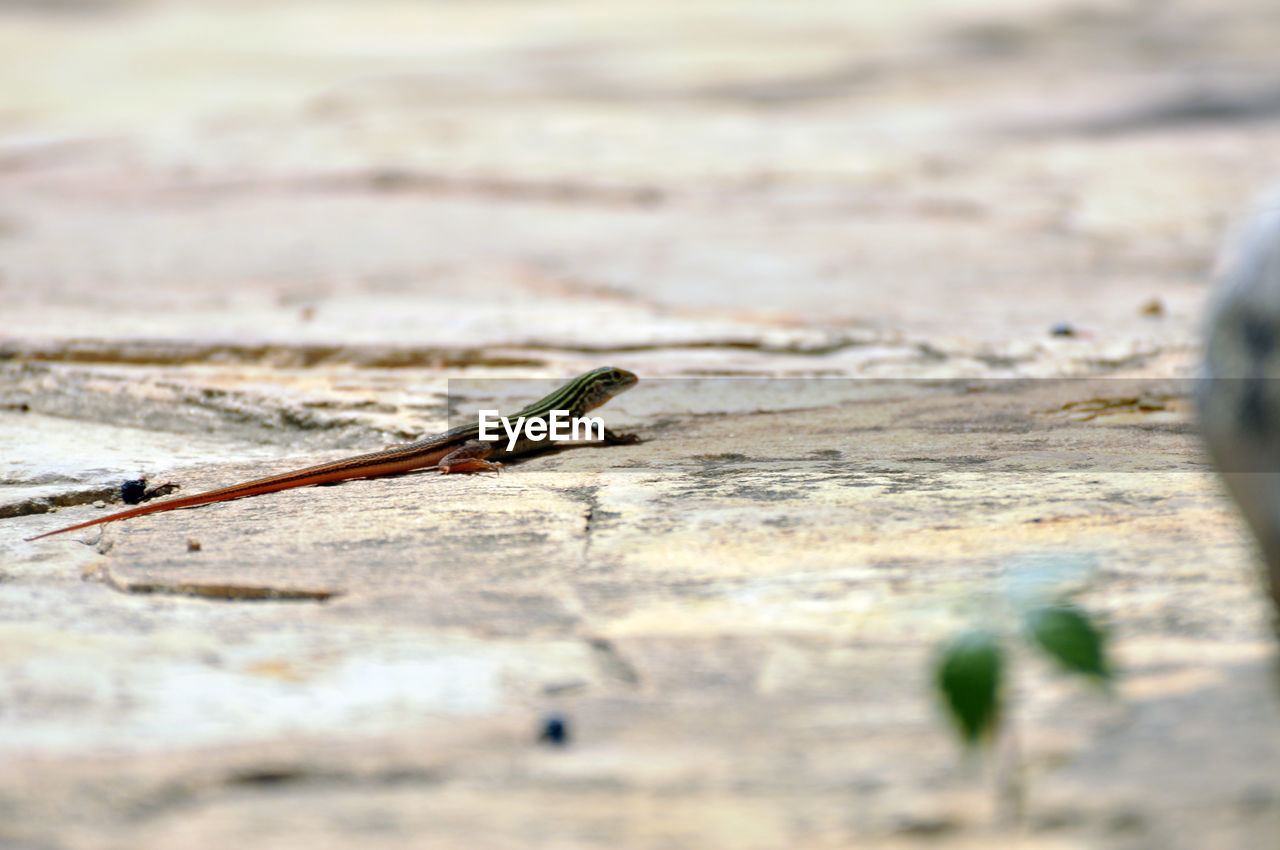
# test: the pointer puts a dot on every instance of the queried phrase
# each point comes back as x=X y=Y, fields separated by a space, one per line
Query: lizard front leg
x=613 y=438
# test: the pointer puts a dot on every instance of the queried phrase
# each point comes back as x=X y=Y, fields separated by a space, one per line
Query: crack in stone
x=160 y=352
x=278 y=775
x=220 y=591
x=612 y=662
x=48 y=504
x=810 y=349
x=403 y=180
x=522 y=354
x=179 y=794
x=163 y=404
x=589 y=518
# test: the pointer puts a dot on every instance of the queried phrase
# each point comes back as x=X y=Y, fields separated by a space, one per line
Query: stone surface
x=238 y=238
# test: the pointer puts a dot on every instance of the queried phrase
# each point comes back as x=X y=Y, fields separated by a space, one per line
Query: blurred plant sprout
x=970 y=668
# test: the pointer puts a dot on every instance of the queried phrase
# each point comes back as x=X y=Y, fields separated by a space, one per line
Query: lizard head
x=600 y=385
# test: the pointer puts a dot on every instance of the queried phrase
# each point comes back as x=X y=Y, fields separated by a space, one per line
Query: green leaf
x=969 y=673
x=1071 y=638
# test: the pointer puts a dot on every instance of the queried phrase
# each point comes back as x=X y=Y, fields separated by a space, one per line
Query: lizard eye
x=621 y=377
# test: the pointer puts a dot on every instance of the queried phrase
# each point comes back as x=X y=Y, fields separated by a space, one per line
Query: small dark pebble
x=133 y=492
x=193 y=545
x=555 y=731
x=1062 y=329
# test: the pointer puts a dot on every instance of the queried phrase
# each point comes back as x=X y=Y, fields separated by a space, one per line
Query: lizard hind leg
x=469 y=457
x=469 y=464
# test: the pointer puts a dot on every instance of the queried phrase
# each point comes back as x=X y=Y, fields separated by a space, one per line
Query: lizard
x=458 y=450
